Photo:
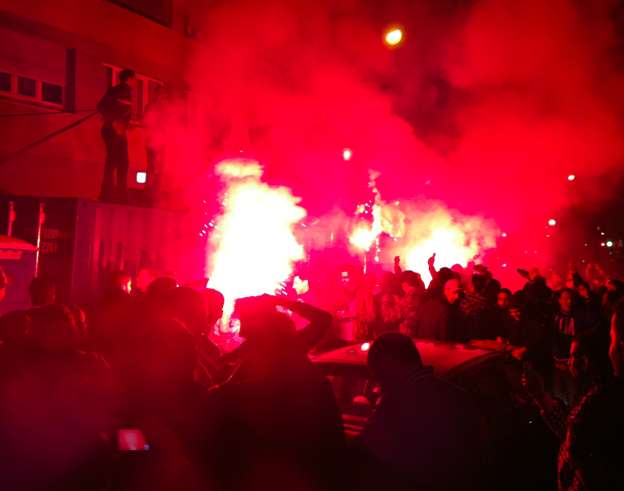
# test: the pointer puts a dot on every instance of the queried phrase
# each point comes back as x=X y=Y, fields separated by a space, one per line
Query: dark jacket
x=567 y=326
x=438 y=320
x=277 y=419
x=424 y=434
x=116 y=104
x=53 y=408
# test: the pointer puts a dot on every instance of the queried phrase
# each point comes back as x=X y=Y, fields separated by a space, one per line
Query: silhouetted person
x=387 y=304
x=616 y=344
x=162 y=399
x=587 y=367
x=424 y=432
x=591 y=455
x=439 y=318
x=56 y=402
x=476 y=310
x=110 y=317
x=507 y=319
x=189 y=307
x=214 y=302
x=438 y=278
x=413 y=295
x=116 y=110
x=160 y=286
x=570 y=321
x=4 y=283
x=42 y=291
x=277 y=420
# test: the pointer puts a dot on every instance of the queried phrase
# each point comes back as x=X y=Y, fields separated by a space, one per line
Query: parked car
x=519 y=443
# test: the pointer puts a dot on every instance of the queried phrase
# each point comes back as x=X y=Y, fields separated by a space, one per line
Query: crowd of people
x=133 y=392
x=566 y=333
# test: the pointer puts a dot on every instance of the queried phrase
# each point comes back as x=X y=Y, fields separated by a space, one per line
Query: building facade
x=56 y=61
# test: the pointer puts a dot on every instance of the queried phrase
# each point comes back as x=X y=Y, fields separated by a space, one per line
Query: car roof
x=443 y=357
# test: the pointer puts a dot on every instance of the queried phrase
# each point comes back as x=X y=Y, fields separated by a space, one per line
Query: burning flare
x=453 y=237
x=420 y=229
x=253 y=247
x=368 y=227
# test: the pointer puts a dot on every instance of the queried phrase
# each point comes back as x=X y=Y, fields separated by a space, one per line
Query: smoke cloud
x=487 y=106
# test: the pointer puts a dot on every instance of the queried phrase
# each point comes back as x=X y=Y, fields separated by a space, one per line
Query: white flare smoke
x=253 y=248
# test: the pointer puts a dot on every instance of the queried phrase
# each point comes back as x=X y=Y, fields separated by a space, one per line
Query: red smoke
x=542 y=105
x=487 y=107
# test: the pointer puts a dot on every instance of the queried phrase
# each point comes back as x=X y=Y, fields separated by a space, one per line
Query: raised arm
x=397 y=265
x=432 y=269
x=615 y=349
x=320 y=321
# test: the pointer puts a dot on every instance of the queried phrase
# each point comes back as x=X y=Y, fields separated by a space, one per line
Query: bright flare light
x=366 y=232
x=609 y=243
x=571 y=177
x=393 y=37
x=347 y=153
x=454 y=238
x=552 y=222
x=362 y=237
x=253 y=247
x=301 y=286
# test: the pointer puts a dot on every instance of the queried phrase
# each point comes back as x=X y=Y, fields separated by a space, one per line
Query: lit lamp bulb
x=347 y=153
x=571 y=177
x=393 y=37
x=552 y=222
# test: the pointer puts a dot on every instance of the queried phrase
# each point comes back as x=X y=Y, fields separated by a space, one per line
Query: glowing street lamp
x=393 y=37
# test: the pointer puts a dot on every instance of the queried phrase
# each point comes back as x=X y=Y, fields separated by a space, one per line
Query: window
x=137 y=99
x=52 y=93
x=28 y=89
x=27 y=86
x=5 y=81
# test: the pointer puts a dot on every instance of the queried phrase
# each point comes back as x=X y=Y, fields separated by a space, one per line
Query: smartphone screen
x=131 y=440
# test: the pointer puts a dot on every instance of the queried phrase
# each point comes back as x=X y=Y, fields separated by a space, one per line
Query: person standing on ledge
x=116 y=110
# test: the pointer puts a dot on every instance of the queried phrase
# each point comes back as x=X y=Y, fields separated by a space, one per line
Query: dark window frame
x=21 y=81
x=37 y=99
x=10 y=75
x=55 y=87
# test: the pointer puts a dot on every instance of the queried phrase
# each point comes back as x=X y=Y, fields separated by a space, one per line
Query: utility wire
x=46 y=138
x=50 y=113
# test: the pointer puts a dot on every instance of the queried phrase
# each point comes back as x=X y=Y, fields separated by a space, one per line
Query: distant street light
x=393 y=37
